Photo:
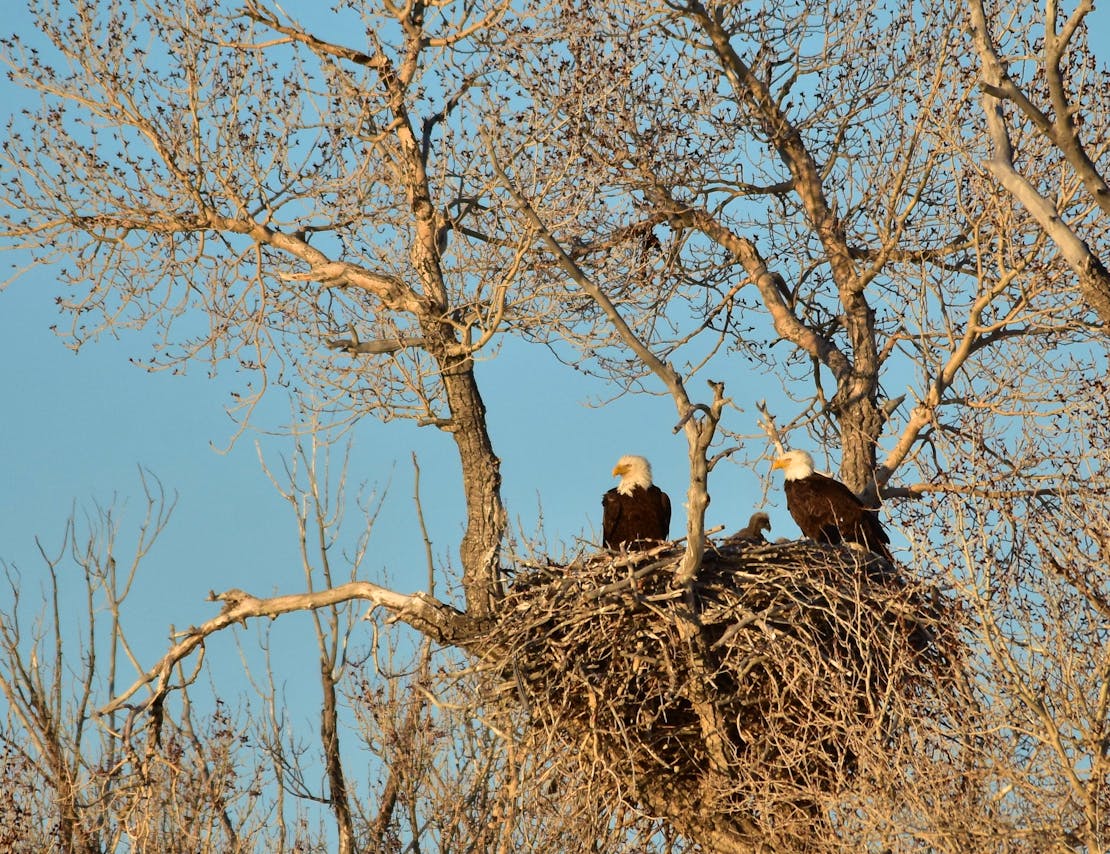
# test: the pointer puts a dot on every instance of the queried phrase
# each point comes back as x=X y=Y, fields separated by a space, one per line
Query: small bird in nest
x=752 y=532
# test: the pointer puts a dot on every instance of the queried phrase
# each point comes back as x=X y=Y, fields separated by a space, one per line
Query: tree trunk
x=481 y=470
x=337 y=783
x=861 y=422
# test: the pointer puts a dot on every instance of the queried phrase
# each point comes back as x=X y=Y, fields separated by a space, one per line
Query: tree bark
x=337 y=783
x=485 y=515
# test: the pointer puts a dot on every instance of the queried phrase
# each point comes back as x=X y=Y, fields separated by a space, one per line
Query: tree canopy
x=896 y=214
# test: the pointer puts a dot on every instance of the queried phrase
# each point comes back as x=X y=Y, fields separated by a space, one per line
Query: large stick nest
x=783 y=674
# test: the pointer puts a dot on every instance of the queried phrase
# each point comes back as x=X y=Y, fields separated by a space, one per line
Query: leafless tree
x=178 y=783
x=659 y=192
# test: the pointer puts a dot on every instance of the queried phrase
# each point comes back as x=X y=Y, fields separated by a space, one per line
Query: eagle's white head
x=633 y=471
x=794 y=464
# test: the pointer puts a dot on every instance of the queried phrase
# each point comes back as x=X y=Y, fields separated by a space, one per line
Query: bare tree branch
x=424 y=613
x=1093 y=277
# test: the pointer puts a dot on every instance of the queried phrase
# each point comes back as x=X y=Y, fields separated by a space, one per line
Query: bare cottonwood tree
x=659 y=191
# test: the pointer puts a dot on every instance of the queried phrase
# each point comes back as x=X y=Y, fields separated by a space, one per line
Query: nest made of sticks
x=780 y=672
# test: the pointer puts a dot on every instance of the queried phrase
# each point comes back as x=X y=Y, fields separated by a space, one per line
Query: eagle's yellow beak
x=619 y=470
x=780 y=463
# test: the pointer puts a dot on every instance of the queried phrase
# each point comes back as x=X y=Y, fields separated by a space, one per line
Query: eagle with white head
x=635 y=512
x=826 y=510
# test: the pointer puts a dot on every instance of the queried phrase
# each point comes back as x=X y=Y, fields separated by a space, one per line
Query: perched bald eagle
x=635 y=511
x=826 y=510
x=753 y=531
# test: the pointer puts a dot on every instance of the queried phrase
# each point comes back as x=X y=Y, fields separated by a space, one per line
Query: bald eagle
x=826 y=510
x=635 y=511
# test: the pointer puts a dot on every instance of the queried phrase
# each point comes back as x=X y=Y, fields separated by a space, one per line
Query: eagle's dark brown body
x=642 y=516
x=828 y=512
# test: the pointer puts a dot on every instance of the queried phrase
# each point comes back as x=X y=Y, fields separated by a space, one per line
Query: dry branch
x=424 y=613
